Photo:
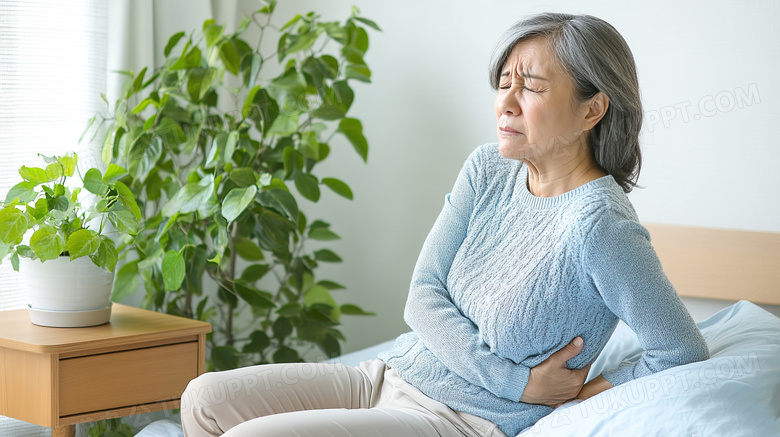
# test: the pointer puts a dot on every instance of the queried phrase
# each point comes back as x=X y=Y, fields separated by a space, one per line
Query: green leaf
x=248 y=250
x=24 y=191
x=15 y=261
x=292 y=21
x=291 y=309
x=292 y=161
x=342 y=95
x=40 y=210
x=141 y=106
x=224 y=357
x=107 y=149
x=107 y=255
x=254 y=272
x=358 y=72
x=21 y=249
x=296 y=43
x=213 y=34
x=47 y=243
x=323 y=234
x=122 y=219
x=199 y=82
x=257 y=63
x=330 y=285
x=190 y=60
x=286 y=354
x=83 y=242
x=281 y=201
x=93 y=182
x=230 y=146
x=354 y=310
x=213 y=156
x=282 y=327
x=190 y=197
x=327 y=256
x=173 y=269
x=144 y=154
x=286 y=124
x=127 y=199
x=353 y=130
x=260 y=108
x=150 y=122
x=329 y=112
x=171 y=132
x=368 y=23
x=253 y=296
x=54 y=171
x=227 y=296
x=338 y=187
x=243 y=176
x=60 y=203
x=13 y=225
x=258 y=342
x=139 y=80
x=172 y=41
x=34 y=174
x=230 y=56
x=320 y=295
x=237 y=201
x=308 y=186
x=113 y=173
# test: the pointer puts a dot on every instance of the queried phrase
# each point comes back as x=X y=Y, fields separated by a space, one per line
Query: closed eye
x=506 y=86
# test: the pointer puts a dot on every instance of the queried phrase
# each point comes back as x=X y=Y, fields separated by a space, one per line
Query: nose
x=507 y=103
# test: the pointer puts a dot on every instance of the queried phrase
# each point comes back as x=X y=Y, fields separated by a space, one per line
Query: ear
x=597 y=107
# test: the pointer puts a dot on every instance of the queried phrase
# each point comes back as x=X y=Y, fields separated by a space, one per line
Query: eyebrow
x=523 y=74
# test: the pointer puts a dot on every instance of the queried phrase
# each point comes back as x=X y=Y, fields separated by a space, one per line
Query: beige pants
x=319 y=400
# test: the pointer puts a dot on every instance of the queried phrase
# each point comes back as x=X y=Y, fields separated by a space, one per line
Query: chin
x=507 y=150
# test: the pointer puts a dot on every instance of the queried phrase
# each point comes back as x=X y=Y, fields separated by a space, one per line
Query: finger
x=569 y=351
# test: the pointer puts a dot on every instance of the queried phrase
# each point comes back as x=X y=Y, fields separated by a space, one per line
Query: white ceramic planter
x=65 y=293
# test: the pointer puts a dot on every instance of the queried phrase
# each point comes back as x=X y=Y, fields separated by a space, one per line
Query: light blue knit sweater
x=505 y=279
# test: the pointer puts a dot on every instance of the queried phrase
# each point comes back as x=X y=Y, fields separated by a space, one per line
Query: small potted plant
x=68 y=262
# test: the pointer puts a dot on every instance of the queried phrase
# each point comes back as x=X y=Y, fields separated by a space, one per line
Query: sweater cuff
x=619 y=375
x=515 y=383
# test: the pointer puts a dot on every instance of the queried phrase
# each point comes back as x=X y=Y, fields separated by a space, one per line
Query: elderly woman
x=520 y=283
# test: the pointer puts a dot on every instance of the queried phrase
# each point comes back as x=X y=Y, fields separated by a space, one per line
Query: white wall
x=707 y=71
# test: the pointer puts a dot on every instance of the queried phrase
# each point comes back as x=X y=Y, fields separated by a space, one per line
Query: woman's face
x=536 y=111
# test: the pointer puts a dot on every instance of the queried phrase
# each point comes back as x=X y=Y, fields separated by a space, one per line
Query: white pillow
x=734 y=393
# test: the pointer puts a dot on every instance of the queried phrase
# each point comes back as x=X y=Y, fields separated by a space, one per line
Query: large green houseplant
x=214 y=140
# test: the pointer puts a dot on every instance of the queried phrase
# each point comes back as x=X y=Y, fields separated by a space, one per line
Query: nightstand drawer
x=121 y=379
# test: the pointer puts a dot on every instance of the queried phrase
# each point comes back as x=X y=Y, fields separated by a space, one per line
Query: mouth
x=506 y=130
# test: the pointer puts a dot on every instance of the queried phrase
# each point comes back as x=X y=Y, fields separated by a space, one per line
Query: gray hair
x=597 y=58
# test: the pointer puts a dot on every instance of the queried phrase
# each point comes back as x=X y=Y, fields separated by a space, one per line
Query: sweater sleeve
x=627 y=273
x=430 y=312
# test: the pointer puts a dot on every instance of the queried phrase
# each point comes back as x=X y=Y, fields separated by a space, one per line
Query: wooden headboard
x=719 y=263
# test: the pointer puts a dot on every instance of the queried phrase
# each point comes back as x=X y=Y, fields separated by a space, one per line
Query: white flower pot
x=65 y=293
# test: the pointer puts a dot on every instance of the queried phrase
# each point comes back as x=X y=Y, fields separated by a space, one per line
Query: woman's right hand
x=551 y=383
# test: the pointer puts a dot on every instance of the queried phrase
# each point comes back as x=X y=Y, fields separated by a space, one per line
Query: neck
x=553 y=176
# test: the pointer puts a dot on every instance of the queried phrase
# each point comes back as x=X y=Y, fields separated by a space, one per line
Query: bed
x=734 y=393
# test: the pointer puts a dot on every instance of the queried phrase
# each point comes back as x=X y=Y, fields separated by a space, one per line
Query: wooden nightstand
x=57 y=377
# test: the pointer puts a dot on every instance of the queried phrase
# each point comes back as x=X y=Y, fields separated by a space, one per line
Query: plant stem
x=231 y=276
